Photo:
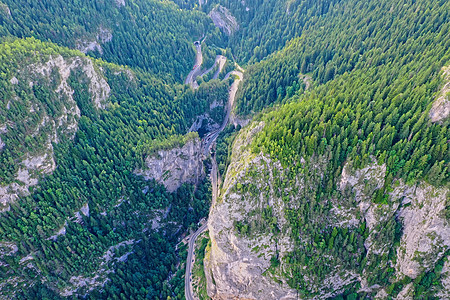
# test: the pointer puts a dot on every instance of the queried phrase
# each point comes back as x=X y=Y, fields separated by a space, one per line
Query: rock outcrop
x=98 y=87
x=120 y=3
x=39 y=161
x=223 y=19
x=238 y=265
x=95 y=43
x=426 y=232
x=82 y=285
x=175 y=166
x=421 y=210
x=441 y=106
x=204 y=121
x=445 y=281
x=4 y=9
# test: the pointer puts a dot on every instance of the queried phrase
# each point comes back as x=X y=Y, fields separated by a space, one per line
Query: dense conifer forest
x=351 y=82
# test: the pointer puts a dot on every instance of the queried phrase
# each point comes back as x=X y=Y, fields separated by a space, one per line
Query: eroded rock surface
x=204 y=121
x=120 y=2
x=223 y=19
x=176 y=166
x=441 y=106
x=237 y=264
x=39 y=161
x=426 y=232
x=103 y=36
x=5 y=9
x=98 y=87
x=421 y=210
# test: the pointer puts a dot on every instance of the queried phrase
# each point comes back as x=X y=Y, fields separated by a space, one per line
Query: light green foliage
x=355 y=35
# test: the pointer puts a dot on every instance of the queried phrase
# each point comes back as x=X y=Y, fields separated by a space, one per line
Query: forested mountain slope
x=266 y=26
x=344 y=191
x=336 y=165
x=150 y=34
x=81 y=127
x=338 y=187
x=77 y=219
x=354 y=36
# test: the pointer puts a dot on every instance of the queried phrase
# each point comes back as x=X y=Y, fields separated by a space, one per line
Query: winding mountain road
x=208 y=141
x=220 y=60
x=188 y=292
x=190 y=79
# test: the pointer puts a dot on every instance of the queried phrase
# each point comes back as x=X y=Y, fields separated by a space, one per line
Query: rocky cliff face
x=46 y=124
x=236 y=264
x=98 y=87
x=426 y=231
x=223 y=19
x=441 y=106
x=249 y=227
x=420 y=209
x=95 y=42
x=176 y=166
x=4 y=9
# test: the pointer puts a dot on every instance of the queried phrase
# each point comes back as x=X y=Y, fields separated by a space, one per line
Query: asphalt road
x=208 y=140
x=220 y=61
x=190 y=79
x=190 y=261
